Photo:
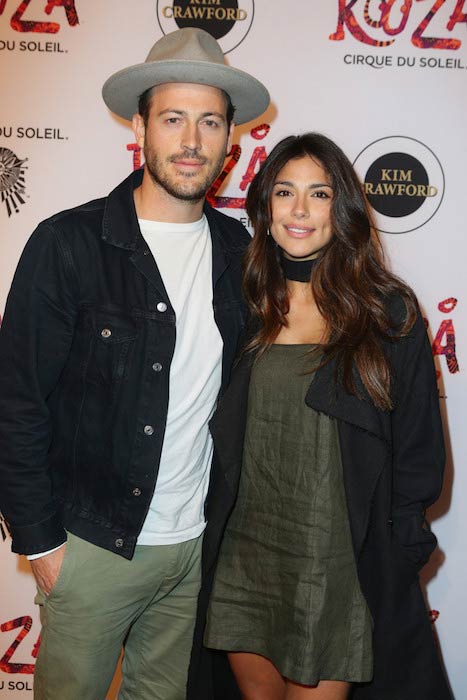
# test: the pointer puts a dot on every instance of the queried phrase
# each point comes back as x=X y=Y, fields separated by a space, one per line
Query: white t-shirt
x=183 y=253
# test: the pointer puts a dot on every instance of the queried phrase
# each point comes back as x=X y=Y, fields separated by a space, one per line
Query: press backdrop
x=386 y=80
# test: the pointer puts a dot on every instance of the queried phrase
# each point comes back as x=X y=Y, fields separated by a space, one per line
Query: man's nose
x=191 y=137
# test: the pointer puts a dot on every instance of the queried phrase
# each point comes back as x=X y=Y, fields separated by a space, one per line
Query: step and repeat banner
x=386 y=80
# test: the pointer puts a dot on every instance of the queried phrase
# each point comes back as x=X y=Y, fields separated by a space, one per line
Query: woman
x=333 y=411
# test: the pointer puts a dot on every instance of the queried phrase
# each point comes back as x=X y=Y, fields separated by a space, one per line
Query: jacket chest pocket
x=113 y=335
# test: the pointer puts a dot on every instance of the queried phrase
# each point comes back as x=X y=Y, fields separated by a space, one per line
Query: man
x=119 y=333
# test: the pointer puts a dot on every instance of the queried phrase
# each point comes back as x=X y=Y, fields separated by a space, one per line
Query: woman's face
x=301 y=208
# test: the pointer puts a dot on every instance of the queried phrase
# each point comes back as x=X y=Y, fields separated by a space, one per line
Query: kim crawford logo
x=228 y=21
x=12 y=185
x=403 y=181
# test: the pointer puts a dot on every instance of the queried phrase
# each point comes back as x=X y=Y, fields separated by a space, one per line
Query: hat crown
x=188 y=55
x=188 y=44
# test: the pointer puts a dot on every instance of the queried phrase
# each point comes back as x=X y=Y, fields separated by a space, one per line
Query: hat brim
x=122 y=90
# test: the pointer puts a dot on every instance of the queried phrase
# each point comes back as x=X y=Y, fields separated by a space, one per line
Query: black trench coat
x=393 y=466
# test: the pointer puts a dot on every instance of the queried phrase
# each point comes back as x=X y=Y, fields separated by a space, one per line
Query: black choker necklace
x=297 y=270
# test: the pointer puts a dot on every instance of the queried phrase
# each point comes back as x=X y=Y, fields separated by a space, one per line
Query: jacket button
x=161 y=307
x=148 y=430
x=157 y=366
x=106 y=332
x=119 y=543
x=137 y=492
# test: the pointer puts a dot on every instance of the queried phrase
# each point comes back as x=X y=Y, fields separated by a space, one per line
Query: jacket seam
x=65 y=253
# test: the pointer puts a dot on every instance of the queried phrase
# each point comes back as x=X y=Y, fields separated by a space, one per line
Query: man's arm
x=35 y=339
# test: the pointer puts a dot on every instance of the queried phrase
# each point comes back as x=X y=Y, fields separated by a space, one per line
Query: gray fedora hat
x=187 y=55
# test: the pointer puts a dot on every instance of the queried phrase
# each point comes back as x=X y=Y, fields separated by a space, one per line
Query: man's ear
x=139 y=129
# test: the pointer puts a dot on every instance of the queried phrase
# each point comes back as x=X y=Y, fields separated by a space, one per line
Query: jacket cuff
x=40 y=537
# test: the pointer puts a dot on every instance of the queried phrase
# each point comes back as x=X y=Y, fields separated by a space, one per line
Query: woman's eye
x=283 y=193
x=321 y=194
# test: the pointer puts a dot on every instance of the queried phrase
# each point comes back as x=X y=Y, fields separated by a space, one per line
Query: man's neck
x=153 y=203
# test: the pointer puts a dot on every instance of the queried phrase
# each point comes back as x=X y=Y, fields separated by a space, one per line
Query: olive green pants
x=102 y=602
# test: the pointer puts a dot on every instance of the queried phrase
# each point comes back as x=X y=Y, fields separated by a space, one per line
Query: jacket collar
x=220 y=250
x=120 y=224
x=328 y=396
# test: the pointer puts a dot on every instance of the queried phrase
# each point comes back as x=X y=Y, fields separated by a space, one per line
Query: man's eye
x=211 y=123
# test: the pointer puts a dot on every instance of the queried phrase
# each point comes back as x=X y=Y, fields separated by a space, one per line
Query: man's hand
x=47 y=568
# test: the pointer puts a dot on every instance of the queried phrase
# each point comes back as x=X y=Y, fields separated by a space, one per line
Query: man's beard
x=186 y=189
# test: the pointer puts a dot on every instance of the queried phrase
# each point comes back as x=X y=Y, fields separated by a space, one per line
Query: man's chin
x=187 y=192
x=186 y=189
x=189 y=196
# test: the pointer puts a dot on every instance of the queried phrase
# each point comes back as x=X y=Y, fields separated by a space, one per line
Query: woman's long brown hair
x=350 y=284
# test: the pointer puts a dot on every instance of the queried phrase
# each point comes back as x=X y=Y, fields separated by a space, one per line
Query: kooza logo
x=388 y=19
x=21 y=23
x=403 y=181
x=12 y=184
x=228 y=21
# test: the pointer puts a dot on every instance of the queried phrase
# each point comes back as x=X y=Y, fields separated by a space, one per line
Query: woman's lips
x=299 y=231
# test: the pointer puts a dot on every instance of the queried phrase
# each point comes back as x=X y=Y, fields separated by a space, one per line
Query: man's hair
x=144 y=106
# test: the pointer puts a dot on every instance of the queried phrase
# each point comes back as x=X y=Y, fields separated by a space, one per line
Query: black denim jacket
x=85 y=350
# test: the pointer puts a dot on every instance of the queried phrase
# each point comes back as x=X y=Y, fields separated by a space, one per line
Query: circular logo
x=12 y=183
x=228 y=21
x=403 y=181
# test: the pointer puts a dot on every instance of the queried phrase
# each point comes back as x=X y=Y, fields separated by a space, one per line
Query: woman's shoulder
x=402 y=308
x=409 y=334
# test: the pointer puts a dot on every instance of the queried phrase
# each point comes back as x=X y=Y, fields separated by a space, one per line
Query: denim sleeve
x=35 y=340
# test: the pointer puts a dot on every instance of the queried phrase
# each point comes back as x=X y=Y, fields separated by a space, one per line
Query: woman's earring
x=268 y=232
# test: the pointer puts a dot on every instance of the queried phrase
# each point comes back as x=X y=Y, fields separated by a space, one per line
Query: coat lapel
x=328 y=396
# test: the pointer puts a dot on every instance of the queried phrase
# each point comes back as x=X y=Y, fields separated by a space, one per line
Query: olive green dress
x=286 y=584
